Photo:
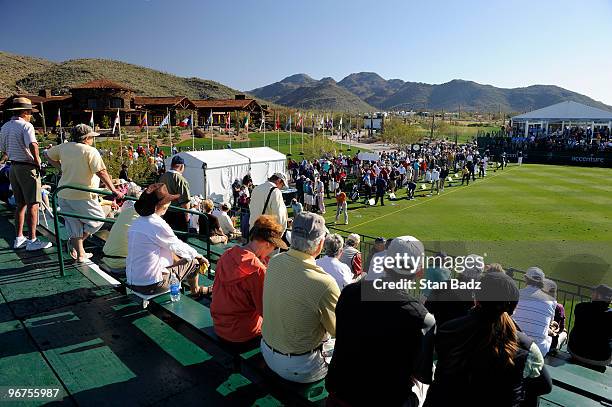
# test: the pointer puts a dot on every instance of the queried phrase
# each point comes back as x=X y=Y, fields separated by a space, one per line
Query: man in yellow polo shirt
x=299 y=305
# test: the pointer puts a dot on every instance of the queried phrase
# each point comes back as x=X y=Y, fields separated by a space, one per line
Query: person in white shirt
x=342 y=273
x=535 y=310
x=226 y=223
x=267 y=199
x=435 y=180
x=18 y=141
x=154 y=251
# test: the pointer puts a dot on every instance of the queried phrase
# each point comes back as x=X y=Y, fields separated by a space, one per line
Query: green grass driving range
x=555 y=217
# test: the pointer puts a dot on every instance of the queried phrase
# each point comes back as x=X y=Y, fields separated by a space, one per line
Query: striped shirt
x=299 y=303
x=15 y=139
x=533 y=314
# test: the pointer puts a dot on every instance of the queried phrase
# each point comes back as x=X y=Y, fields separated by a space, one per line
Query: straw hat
x=21 y=103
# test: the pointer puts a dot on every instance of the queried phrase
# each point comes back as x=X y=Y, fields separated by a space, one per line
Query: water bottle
x=175 y=288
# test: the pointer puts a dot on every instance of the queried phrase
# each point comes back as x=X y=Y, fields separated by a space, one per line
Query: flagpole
x=277 y=124
x=264 y=126
x=290 y=140
x=147 y=124
x=42 y=112
x=192 y=134
x=349 y=135
x=120 y=139
x=302 y=122
x=313 y=133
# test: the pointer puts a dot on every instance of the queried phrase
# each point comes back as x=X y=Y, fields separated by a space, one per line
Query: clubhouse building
x=104 y=98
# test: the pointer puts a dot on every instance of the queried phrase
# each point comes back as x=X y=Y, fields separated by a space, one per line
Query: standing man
x=177 y=185
x=267 y=199
x=381 y=186
x=18 y=141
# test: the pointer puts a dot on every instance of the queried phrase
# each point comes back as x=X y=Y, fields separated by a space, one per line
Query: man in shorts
x=18 y=141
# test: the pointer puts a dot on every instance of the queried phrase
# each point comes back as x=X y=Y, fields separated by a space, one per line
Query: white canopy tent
x=563 y=114
x=211 y=173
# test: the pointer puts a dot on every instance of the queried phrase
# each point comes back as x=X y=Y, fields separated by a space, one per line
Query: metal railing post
x=58 y=240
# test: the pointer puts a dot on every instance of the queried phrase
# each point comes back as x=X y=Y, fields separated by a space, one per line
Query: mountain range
x=358 y=92
x=377 y=93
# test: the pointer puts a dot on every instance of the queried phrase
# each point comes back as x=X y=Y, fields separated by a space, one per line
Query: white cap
x=406 y=246
x=535 y=274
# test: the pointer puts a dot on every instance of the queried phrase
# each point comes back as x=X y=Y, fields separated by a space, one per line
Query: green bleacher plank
x=18 y=355
x=565 y=398
x=573 y=377
x=187 y=310
x=176 y=345
x=564 y=360
x=233 y=382
x=267 y=401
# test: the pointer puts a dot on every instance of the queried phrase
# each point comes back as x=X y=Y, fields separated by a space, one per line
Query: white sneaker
x=37 y=245
x=20 y=242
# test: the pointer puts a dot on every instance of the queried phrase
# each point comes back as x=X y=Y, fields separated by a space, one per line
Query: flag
x=246 y=122
x=300 y=121
x=116 y=123
x=277 y=123
x=228 y=122
x=209 y=121
x=91 y=121
x=143 y=121
x=186 y=122
x=263 y=122
x=341 y=121
x=165 y=121
x=321 y=123
x=288 y=124
x=58 y=121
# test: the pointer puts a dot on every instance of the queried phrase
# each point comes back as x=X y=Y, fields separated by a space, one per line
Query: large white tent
x=561 y=115
x=211 y=173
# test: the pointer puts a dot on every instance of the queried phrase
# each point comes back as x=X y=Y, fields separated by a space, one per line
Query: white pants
x=520 y=160
x=307 y=368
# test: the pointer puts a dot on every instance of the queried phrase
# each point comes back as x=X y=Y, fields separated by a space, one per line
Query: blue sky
x=247 y=44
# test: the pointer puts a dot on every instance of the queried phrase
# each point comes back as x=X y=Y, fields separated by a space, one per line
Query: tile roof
x=222 y=103
x=102 y=84
x=161 y=100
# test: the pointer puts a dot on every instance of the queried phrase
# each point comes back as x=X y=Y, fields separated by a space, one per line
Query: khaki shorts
x=25 y=181
x=90 y=207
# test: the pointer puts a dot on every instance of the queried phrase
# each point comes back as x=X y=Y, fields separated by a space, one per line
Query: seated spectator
x=209 y=224
x=331 y=265
x=535 y=310
x=153 y=247
x=483 y=360
x=225 y=222
x=557 y=327
x=116 y=247
x=380 y=334
x=351 y=256
x=237 y=306
x=299 y=305
x=447 y=303
x=590 y=341
x=379 y=246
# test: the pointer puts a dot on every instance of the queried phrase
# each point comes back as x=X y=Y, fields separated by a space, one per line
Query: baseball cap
x=605 y=292
x=535 y=274
x=380 y=240
x=177 y=160
x=477 y=267
x=308 y=225
x=404 y=246
x=498 y=293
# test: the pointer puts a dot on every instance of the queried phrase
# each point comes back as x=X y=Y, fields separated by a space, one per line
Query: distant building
x=374 y=121
x=104 y=98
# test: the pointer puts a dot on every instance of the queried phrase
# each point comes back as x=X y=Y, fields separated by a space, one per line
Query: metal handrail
x=57 y=214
